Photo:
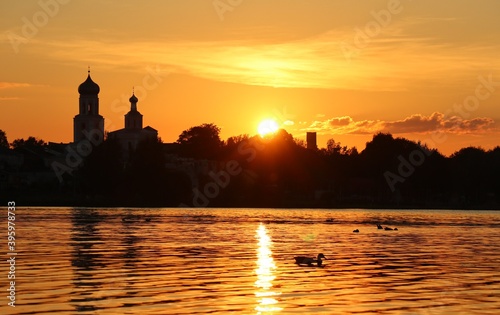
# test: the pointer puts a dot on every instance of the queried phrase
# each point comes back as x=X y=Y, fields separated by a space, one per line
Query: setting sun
x=267 y=126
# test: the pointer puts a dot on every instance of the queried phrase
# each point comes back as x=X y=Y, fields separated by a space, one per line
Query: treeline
x=201 y=170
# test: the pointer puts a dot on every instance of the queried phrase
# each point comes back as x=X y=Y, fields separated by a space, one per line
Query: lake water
x=240 y=261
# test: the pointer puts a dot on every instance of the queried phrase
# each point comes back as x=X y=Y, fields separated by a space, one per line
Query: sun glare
x=267 y=127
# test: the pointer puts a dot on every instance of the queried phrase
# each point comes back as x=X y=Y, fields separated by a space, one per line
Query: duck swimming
x=302 y=260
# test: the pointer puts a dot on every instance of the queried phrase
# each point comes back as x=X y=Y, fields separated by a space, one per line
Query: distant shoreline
x=22 y=202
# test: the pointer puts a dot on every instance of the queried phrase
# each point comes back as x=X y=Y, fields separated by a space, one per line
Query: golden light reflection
x=265 y=269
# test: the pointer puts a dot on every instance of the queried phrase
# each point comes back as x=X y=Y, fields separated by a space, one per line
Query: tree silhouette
x=3 y=140
x=201 y=142
x=235 y=140
x=470 y=173
x=30 y=143
x=335 y=148
x=492 y=182
x=271 y=171
x=33 y=150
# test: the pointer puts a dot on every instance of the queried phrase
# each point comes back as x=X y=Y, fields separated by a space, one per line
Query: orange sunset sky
x=423 y=70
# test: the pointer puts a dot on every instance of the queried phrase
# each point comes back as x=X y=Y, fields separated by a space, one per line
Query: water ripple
x=197 y=261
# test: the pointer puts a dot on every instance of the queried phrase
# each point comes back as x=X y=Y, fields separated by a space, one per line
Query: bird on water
x=303 y=260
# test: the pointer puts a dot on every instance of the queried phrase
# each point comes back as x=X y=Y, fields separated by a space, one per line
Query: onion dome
x=89 y=87
x=133 y=99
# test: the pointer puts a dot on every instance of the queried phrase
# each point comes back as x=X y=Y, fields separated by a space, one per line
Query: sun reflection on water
x=265 y=274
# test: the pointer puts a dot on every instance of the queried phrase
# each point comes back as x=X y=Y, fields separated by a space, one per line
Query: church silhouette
x=89 y=123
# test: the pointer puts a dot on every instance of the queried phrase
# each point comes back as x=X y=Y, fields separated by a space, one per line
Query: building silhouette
x=311 y=141
x=88 y=123
x=133 y=133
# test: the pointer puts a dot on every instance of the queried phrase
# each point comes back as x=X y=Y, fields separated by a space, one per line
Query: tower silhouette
x=133 y=133
x=88 y=123
x=133 y=119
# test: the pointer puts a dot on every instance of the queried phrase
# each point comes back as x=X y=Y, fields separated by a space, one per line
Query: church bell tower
x=133 y=119
x=88 y=124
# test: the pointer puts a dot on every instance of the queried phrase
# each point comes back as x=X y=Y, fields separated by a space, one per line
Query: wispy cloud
x=395 y=60
x=417 y=123
x=12 y=85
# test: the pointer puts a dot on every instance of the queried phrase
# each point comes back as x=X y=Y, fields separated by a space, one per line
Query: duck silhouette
x=303 y=260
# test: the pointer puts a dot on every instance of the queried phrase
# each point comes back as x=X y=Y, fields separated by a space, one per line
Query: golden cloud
x=392 y=61
x=417 y=123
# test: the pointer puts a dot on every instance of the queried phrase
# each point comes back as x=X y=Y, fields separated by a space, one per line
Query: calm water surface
x=240 y=261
